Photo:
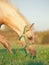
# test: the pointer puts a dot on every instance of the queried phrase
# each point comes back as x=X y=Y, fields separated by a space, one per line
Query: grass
x=19 y=56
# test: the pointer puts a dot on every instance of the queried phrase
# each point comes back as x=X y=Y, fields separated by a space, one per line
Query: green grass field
x=19 y=56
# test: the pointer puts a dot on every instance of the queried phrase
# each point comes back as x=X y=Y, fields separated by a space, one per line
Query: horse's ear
x=31 y=25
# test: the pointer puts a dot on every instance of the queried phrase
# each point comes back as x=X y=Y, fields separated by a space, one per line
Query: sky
x=35 y=11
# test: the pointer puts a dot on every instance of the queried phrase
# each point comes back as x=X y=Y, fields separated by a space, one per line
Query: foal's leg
x=5 y=43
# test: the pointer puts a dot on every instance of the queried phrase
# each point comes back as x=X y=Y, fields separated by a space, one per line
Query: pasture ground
x=19 y=57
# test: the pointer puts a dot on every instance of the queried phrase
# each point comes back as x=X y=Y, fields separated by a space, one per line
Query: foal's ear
x=31 y=25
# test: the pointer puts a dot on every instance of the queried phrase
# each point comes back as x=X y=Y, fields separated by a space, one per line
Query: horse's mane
x=4 y=0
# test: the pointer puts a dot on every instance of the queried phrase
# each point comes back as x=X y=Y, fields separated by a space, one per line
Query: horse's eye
x=30 y=38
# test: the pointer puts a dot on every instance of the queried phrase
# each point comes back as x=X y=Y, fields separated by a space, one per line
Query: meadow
x=19 y=56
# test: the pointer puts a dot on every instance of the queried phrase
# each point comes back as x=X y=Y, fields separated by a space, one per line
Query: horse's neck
x=13 y=18
x=16 y=24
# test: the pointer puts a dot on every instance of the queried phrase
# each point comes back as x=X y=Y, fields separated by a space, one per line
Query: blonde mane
x=4 y=0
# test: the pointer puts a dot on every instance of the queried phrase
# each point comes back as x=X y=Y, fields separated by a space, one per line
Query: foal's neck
x=13 y=18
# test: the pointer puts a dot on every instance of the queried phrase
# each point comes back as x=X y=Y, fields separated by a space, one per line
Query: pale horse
x=10 y=16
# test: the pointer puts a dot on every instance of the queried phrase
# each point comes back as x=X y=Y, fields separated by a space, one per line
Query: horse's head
x=29 y=35
x=29 y=40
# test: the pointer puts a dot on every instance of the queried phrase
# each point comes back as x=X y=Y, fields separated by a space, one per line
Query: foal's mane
x=4 y=0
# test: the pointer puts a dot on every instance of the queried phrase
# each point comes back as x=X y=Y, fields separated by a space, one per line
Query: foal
x=10 y=16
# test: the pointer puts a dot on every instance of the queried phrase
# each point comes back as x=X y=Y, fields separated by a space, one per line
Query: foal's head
x=29 y=38
x=29 y=35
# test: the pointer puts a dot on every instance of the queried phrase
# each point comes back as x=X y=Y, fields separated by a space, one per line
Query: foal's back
x=1 y=16
x=4 y=0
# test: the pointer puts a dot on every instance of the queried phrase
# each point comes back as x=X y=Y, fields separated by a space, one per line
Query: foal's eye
x=30 y=38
